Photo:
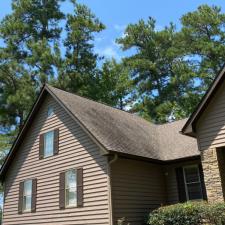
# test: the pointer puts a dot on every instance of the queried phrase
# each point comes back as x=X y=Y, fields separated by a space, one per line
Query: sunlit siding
x=211 y=126
x=76 y=149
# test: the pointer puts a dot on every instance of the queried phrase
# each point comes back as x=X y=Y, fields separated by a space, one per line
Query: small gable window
x=50 y=111
x=48 y=144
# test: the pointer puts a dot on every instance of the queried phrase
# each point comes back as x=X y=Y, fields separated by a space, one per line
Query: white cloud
x=98 y=39
x=124 y=35
x=109 y=52
x=119 y=27
x=115 y=44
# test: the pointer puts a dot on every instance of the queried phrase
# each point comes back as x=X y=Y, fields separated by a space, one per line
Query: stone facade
x=213 y=166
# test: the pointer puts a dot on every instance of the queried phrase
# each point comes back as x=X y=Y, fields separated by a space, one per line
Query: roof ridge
x=174 y=121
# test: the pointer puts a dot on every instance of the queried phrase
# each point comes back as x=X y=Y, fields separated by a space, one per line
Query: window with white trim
x=49 y=144
x=27 y=195
x=71 y=188
x=192 y=182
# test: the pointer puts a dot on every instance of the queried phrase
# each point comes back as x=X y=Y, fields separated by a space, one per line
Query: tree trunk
x=121 y=103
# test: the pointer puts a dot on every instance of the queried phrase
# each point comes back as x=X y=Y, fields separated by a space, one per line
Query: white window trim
x=196 y=182
x=74 y=205
x=44 y=156
x=27 y=210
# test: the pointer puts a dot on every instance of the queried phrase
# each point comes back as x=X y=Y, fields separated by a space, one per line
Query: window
x=50 y=111
x=192 y=183
x=48 y=144
x=27 y=195
x=71 y=188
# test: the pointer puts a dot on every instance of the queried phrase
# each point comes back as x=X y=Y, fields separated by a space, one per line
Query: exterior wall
x=171 y=180
x=221 y=162
x=76 y=149
x=211 y=126
x=137 y=188
x=210 y=131
x=213 y=181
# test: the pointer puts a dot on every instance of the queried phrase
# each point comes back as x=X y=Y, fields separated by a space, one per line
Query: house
x=77 y=161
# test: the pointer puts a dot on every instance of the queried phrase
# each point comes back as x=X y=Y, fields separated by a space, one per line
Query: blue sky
x=116 y=14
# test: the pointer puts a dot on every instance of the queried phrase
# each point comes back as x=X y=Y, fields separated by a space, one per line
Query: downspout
x=110 y=162
x=114 y=159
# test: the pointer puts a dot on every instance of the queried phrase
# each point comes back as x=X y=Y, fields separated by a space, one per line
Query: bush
x=215 y=214
x=122 y=221
x=190 y=213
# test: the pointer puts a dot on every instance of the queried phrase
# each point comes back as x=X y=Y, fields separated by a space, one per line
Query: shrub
x=185 y=214
x=190 y=213
x=215 y=214
x=122 y=221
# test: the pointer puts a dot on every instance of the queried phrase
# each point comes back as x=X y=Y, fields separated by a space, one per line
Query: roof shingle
x=122 y=132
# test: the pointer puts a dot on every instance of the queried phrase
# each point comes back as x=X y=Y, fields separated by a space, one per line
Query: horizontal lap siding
x=211 y=125
x=137 y=188
x=76 y=149
x=171 y=181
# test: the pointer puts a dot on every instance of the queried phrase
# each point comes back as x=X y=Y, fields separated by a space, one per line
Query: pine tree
x=30 y=34
x=202 y=40
x=114 y=84
x=163 y=79
x=79 y=71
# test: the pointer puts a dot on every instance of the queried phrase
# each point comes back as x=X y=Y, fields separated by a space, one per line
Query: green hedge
x=190 y=213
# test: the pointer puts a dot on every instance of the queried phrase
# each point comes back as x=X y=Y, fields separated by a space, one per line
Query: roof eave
x=18 y=139
x=189 y=127
x=45 y=89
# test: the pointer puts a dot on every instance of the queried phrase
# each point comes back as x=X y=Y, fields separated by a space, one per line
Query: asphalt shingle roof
x=122 y=132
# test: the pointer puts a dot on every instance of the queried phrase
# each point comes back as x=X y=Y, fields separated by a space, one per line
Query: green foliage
x=164 y=80
x=186 y=214
x=79 y=72
x=122 y=221
x=172 y=69
x=114 y=84
x=6 y=141
x=189 y=213
x=202 y=37
x=31 y=56
x=5 y=145
x=29 y=32
x=27 y=56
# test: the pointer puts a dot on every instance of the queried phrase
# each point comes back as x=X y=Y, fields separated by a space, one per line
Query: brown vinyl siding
x=137 y=188
x=211 y=125
x=76 y=150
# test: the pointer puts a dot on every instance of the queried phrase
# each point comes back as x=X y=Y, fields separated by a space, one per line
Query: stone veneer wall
x=221 y=160
x=211 y=162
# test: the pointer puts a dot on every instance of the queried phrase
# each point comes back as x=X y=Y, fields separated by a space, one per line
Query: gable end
x=43 y=93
